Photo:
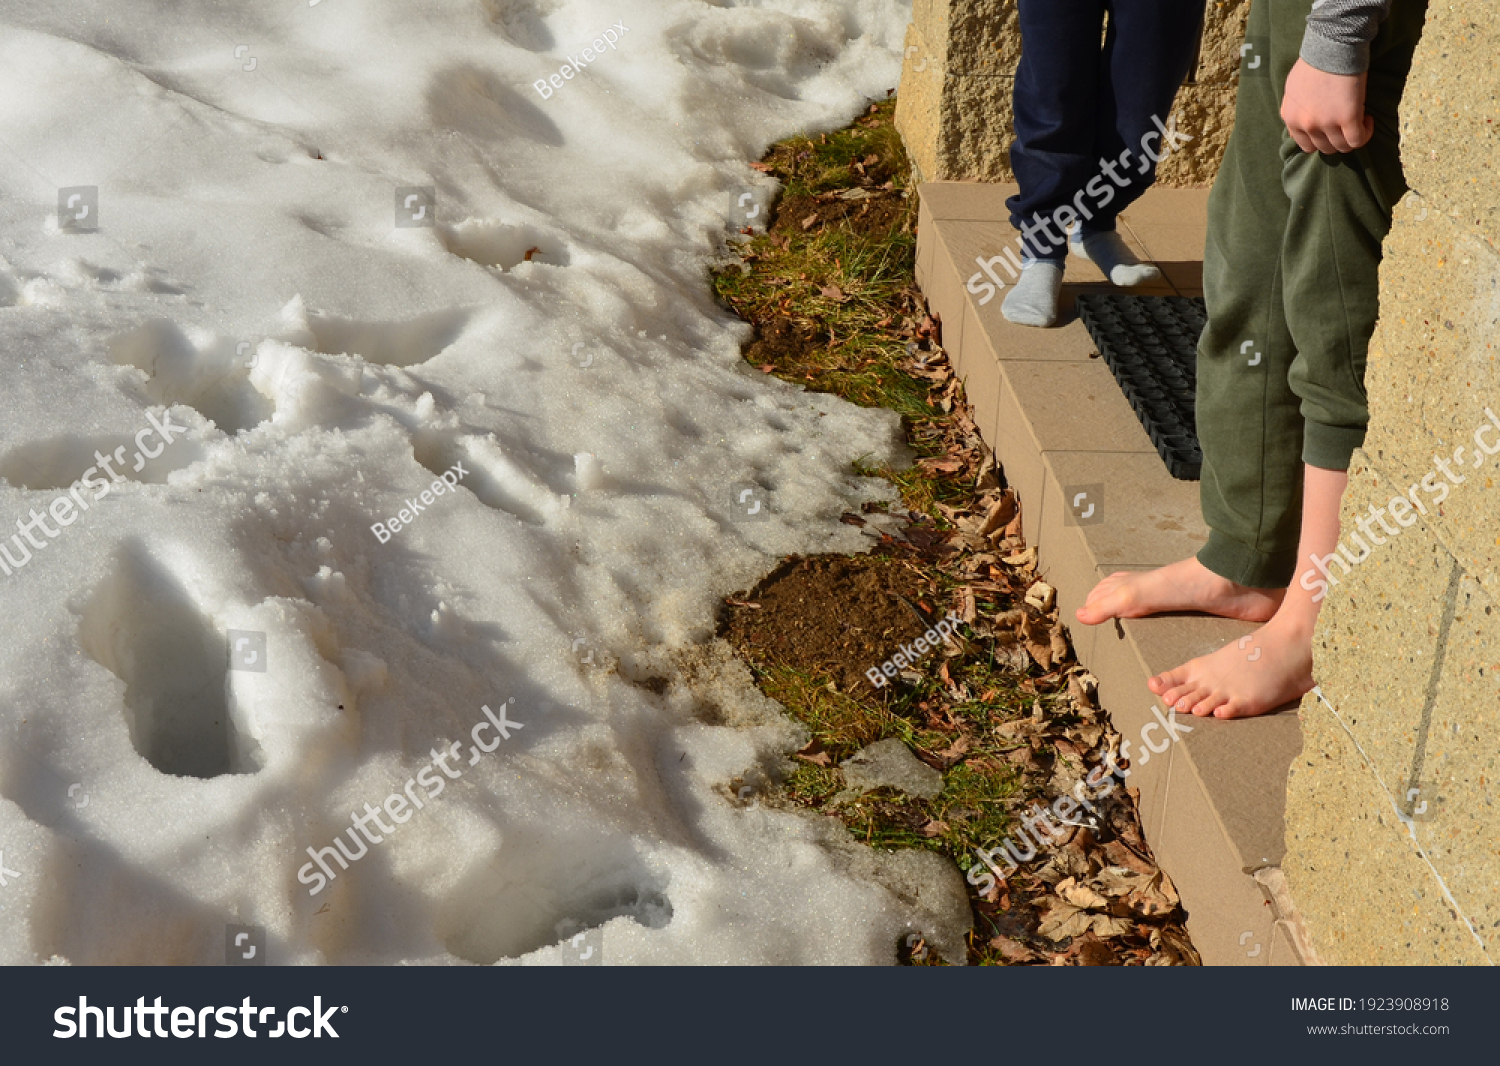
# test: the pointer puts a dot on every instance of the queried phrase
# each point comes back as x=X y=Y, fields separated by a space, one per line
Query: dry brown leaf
x=1089 y=951
x=1069 y=862
x=1156 y=898
x=1084 y=696
x=1066 y=747
x=1041 y=596
x=1025 y=758
x=1019 y=728
x=1116 y=881
x=810 y=221
x=815 y=754
x=999 y=514
x=941 y=466
x=1088 y=735
x=1105 y=926
x=1038 y=644
x=956 y=750
x=1119 y=855
x=1011 y=656
x=1064 y=921
x=1081 y=895
x=1175 y=945
x=969 y=612
x=1059 y=642
x=1012 y=950
x=1022 y=559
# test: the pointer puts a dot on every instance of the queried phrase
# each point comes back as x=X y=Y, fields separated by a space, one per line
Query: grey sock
x=1118 y=262
x=1033 y=299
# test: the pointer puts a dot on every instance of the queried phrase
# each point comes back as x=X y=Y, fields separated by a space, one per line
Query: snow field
x=553 y=331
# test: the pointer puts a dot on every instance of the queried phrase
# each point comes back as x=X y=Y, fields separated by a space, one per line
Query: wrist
x=1347 y=59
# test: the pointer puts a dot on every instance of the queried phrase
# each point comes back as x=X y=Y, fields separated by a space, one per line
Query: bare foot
x=1251 y=676
x=1184 y=586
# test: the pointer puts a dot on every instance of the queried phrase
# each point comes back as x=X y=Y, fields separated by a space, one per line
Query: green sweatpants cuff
x=1244 y=565
x=1330 y=447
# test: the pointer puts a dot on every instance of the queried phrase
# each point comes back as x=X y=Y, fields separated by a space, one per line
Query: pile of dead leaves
x=1100 y=895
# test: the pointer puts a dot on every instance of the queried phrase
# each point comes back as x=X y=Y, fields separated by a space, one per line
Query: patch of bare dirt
x=832 y=614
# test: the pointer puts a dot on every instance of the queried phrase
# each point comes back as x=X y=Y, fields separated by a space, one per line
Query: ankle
x=1295 y=620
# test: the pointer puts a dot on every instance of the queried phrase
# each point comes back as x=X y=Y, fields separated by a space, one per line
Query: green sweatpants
x=1290 y=274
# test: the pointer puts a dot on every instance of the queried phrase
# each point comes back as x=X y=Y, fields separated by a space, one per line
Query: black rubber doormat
x=1150 y=343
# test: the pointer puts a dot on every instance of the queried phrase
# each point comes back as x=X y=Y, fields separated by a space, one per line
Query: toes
x=1181 y=689
x=1192 y=701
x=1239 y=709
x=1099 y=608
x=1170 y=679
x=1103 y=589
x=1178 y=698
x=1211 y=703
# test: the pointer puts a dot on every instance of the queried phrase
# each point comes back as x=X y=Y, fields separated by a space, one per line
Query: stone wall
x=1392 y=814
x=954 y=108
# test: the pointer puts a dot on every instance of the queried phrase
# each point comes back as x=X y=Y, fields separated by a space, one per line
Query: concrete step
x=1213 y=804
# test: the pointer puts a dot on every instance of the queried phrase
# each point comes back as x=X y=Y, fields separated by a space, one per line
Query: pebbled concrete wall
x=1392 y=816
x=954 y=107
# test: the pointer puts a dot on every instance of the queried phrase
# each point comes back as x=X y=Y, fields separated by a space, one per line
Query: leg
x=1249 y=425
x=1147 y=51
x=1055 y=106
x=1340 y=213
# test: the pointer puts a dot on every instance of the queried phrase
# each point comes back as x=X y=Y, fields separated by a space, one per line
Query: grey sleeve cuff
x=1335 y=57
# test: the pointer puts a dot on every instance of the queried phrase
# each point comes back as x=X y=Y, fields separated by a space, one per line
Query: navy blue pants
x=1082 y=110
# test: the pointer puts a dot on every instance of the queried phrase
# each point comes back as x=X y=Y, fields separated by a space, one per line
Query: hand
x=1326 y=112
